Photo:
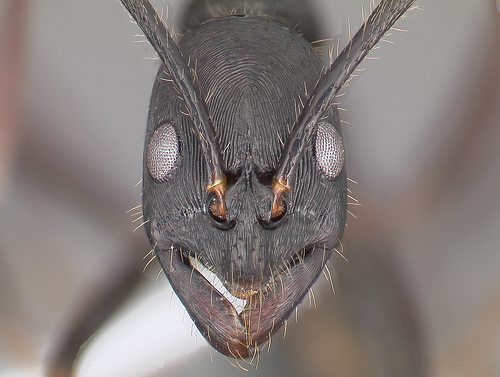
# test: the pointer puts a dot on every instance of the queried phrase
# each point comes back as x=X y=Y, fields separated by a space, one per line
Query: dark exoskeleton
x=244 y=171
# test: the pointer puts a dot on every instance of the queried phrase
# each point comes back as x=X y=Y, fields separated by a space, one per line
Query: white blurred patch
x=153 y=330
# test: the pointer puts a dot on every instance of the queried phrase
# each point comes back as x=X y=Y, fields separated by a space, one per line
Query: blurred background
x=420 y=293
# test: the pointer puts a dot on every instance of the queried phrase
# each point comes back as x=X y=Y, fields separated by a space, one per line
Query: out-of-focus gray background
x=420 y=294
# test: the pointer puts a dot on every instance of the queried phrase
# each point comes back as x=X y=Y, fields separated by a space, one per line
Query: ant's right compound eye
x=162 y=152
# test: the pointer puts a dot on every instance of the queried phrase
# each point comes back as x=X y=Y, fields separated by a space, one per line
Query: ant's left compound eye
x=162 y=152
x=329 y=150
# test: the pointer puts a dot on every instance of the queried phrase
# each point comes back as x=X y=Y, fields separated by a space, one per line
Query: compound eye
x=329 y=150
x=162 y=152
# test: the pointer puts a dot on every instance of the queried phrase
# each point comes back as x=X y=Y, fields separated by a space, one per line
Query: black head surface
x=254 y=75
